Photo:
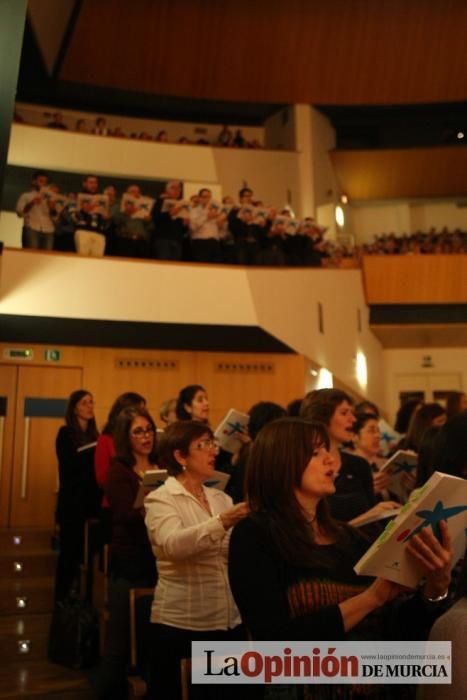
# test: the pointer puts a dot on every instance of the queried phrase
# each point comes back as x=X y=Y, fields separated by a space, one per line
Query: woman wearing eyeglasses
x=189 y=528
x=132 y=562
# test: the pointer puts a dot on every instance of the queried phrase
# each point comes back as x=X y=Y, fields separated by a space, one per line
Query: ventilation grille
x=245 y=367
x=141 y=363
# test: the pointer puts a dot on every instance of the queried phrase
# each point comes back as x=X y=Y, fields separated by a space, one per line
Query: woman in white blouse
x=189 y=527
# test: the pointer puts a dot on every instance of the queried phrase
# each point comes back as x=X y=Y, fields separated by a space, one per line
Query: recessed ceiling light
x=460 y=135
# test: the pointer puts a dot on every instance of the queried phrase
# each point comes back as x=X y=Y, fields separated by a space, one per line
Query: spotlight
x=460 y=135
x=21 y=601
x=17 y=566
x=17 y=540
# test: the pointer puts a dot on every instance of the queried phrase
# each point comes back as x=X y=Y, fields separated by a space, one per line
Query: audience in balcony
x=225 y=138
x=162 y=137
x=57 y=122
x=420 y=242
x=81 y=126
x=100 y=128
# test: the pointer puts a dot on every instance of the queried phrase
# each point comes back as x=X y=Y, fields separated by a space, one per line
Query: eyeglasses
x=142 y=432
x=207 y=444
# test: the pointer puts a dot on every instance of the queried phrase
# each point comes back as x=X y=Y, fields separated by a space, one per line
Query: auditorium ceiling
x=390 y=74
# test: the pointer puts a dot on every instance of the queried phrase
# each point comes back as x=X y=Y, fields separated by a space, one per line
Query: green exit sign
x=52 y=355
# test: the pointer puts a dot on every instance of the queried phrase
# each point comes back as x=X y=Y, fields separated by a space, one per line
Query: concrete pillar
x=12 y=20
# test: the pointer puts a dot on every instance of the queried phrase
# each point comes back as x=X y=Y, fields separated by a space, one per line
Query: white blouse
x=191 y=548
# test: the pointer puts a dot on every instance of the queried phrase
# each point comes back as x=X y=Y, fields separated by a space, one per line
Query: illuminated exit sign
x=18 y=354
x=52 y=355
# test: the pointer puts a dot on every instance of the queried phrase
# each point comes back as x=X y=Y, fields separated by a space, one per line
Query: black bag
x=74 y=634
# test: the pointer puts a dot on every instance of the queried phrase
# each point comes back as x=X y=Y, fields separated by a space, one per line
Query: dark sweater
x=354 y=489
x=78 y=495
x=281 y=601
x=131 y=556
x=278 y=601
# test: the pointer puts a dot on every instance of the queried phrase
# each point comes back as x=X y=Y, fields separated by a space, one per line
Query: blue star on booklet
x=403 y=463
x=442 y=497
x=228 y=430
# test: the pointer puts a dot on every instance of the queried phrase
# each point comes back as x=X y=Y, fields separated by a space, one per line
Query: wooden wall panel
x=69 y=356
x=415 y=279
x=310 y=51
x=405 y=172
x=239 y=386
x=108 y=380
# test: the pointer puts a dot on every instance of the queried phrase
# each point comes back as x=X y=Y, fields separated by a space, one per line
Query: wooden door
x=42 y=394
x=8 y=383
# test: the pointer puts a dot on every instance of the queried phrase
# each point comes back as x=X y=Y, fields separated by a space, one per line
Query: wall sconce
x=340 y=218
x=325 y=380
x=361 y=370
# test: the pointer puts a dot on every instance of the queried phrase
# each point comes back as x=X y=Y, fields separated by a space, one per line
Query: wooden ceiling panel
x=405 y=172
x=310 y=51
x=421 y=336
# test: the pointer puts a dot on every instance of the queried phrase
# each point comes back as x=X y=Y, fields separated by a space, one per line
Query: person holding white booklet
x=189 y=527
x=78 y=494
x=131 y=562
x=353 y=500
x=291 y=564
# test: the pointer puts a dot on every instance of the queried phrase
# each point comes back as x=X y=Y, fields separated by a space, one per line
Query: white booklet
x=443 y=497
x=152 y=479
x=402 y=462
x=389 y=437
x=143 y=205
x=261 y=216
x=88 y=446
x=292 y=227
x=383 y=515
x=99 y=202
x=246 y=211
x=182 y=206
x=228 y=429
x=218 y=480
x=57 y=200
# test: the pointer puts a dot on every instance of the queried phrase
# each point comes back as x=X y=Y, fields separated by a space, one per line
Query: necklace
x=197 y=494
